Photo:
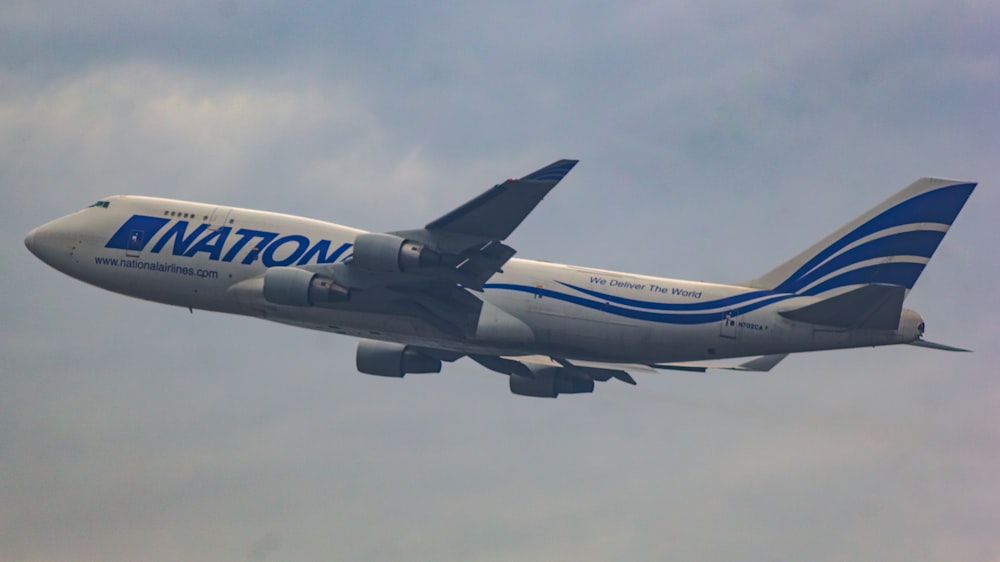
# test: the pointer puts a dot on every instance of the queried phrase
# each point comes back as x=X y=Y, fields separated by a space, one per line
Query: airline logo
x=243 y=245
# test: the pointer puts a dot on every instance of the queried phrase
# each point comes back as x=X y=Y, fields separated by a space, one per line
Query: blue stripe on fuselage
x=666 y=318
x=653 y=305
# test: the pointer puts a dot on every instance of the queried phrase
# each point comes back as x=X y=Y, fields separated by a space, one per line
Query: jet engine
x=550 y=382
x=390 y=359
x=293 y=286
x=392 y=254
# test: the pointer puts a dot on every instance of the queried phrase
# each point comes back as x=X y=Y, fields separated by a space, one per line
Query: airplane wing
x=760 y=364
x=425 y=272
x=471 y=236
x=497 y=212
x=547 y=377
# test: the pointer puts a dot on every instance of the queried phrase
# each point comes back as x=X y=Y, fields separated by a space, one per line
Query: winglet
x=554 y=172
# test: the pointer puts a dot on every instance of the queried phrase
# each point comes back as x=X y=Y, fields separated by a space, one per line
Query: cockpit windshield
x=104 y=204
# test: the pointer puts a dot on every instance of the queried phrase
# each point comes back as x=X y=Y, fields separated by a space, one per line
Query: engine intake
x=392 y=254
x=550 y=382
x=293 y=286
x=390 y=359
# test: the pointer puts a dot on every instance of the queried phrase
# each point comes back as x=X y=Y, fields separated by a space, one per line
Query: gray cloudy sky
x=716 y=140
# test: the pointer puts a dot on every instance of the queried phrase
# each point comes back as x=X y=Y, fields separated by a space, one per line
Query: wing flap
x=523 y=366
x=477 y=266
x=760 y=364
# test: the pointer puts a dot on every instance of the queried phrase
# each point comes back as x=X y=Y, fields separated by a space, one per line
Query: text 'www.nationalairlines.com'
x=156 y=266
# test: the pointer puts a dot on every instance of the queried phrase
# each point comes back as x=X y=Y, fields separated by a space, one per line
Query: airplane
x=452 y=289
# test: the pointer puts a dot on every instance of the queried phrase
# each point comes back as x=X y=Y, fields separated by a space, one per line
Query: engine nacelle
x=293 y=286
x=390 y=359
x=392 y=254
x=550 y=382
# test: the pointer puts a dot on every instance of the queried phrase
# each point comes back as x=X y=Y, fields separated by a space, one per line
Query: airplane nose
x=48 y=243
x=31 y=241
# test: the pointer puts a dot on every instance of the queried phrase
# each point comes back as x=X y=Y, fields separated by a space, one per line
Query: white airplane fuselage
x=210 y=257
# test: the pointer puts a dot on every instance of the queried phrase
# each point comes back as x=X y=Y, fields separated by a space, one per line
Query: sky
x=716 y=140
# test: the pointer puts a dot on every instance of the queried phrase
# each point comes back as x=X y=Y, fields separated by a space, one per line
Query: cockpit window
x=104 y=204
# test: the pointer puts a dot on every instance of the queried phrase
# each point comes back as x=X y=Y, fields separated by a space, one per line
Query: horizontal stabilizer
x=939 y=346
x=871 y=307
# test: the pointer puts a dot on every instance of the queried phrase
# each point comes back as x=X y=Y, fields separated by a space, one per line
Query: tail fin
x=888 y=245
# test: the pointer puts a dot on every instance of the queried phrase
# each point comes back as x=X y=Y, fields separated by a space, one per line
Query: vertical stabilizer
x=888 y=245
